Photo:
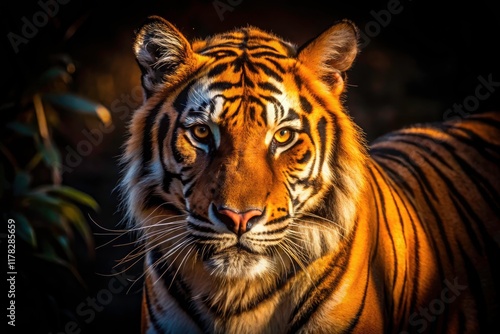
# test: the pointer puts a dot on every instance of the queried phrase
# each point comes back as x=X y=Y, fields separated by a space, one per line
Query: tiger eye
x=283 y=136
x=201 y=132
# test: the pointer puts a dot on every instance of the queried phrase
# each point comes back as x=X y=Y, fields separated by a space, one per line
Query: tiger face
x=236 y=162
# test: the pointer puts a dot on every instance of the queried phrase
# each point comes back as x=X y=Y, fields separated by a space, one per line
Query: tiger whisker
x=151 y=267
x=120 y=233
x=182 y=262
x=153 y=233
x=316 y=226
x=297 y=260
x=146 y=235
x=182 y=245
x=130 y=256
x=312 y=215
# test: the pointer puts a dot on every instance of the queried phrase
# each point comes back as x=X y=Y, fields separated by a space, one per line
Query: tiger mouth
x=238 y=248
x=237 y=261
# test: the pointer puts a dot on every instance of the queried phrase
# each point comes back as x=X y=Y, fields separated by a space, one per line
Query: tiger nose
x=237 y=222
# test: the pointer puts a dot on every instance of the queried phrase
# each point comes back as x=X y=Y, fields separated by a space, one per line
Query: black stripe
x=267 y=70
x=396 y=178
x=377 y=235
x=266 y=54
x=305 y=104
x=217 y=70
x=482 y=184
x=474 y=283
x=147 y=149
x=356 y=318
x=251 y=113
x=409 y=162
x=199 y=228
x=262 y=46
x=298 y=81
x=464 y=218
x=168 y=177
x=247 y=82
x=383 y=210
x=486 y=120
x=180 y=101
x=277 y=65
x=276 y=220
x=462 y=319
x=277 y=106
x=221 y=85
x=189 y=190
x=427 y=149
x=228 y=46
x=152 y=315
x=161 y=136
x=305 y=157
x=221 y=53
x=488 y=150
x=269 y=87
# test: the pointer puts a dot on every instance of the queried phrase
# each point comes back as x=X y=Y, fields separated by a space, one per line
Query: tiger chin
x=260 y=209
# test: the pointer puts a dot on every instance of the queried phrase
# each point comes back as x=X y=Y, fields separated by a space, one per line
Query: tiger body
x=261 y=210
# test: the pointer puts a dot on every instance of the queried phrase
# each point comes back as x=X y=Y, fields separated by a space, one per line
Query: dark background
x=416 y=64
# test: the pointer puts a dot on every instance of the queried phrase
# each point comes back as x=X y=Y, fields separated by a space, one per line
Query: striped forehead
x=261 y=108
x=244 y=78
x=256 y=43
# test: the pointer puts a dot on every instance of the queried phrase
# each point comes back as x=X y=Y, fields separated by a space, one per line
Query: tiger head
x=241 y=159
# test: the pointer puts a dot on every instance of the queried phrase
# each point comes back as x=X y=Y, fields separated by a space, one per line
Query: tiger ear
x=331 y=53
x=161 y=51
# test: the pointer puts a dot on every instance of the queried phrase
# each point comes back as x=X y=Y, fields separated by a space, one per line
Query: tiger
x=259 y=206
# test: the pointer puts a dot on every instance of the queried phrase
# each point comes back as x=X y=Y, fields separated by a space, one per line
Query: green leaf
x=49 y=209
x=63 y=241
x=67 y=210
x=79 y=104
x=73 y=213
x=48 y=251
x=50 y=154
x=52 y=219
x=72 y=194
x=22 y=129
x=24 y=229
x=51 y=256
x=52 y=74
x=21 y=183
